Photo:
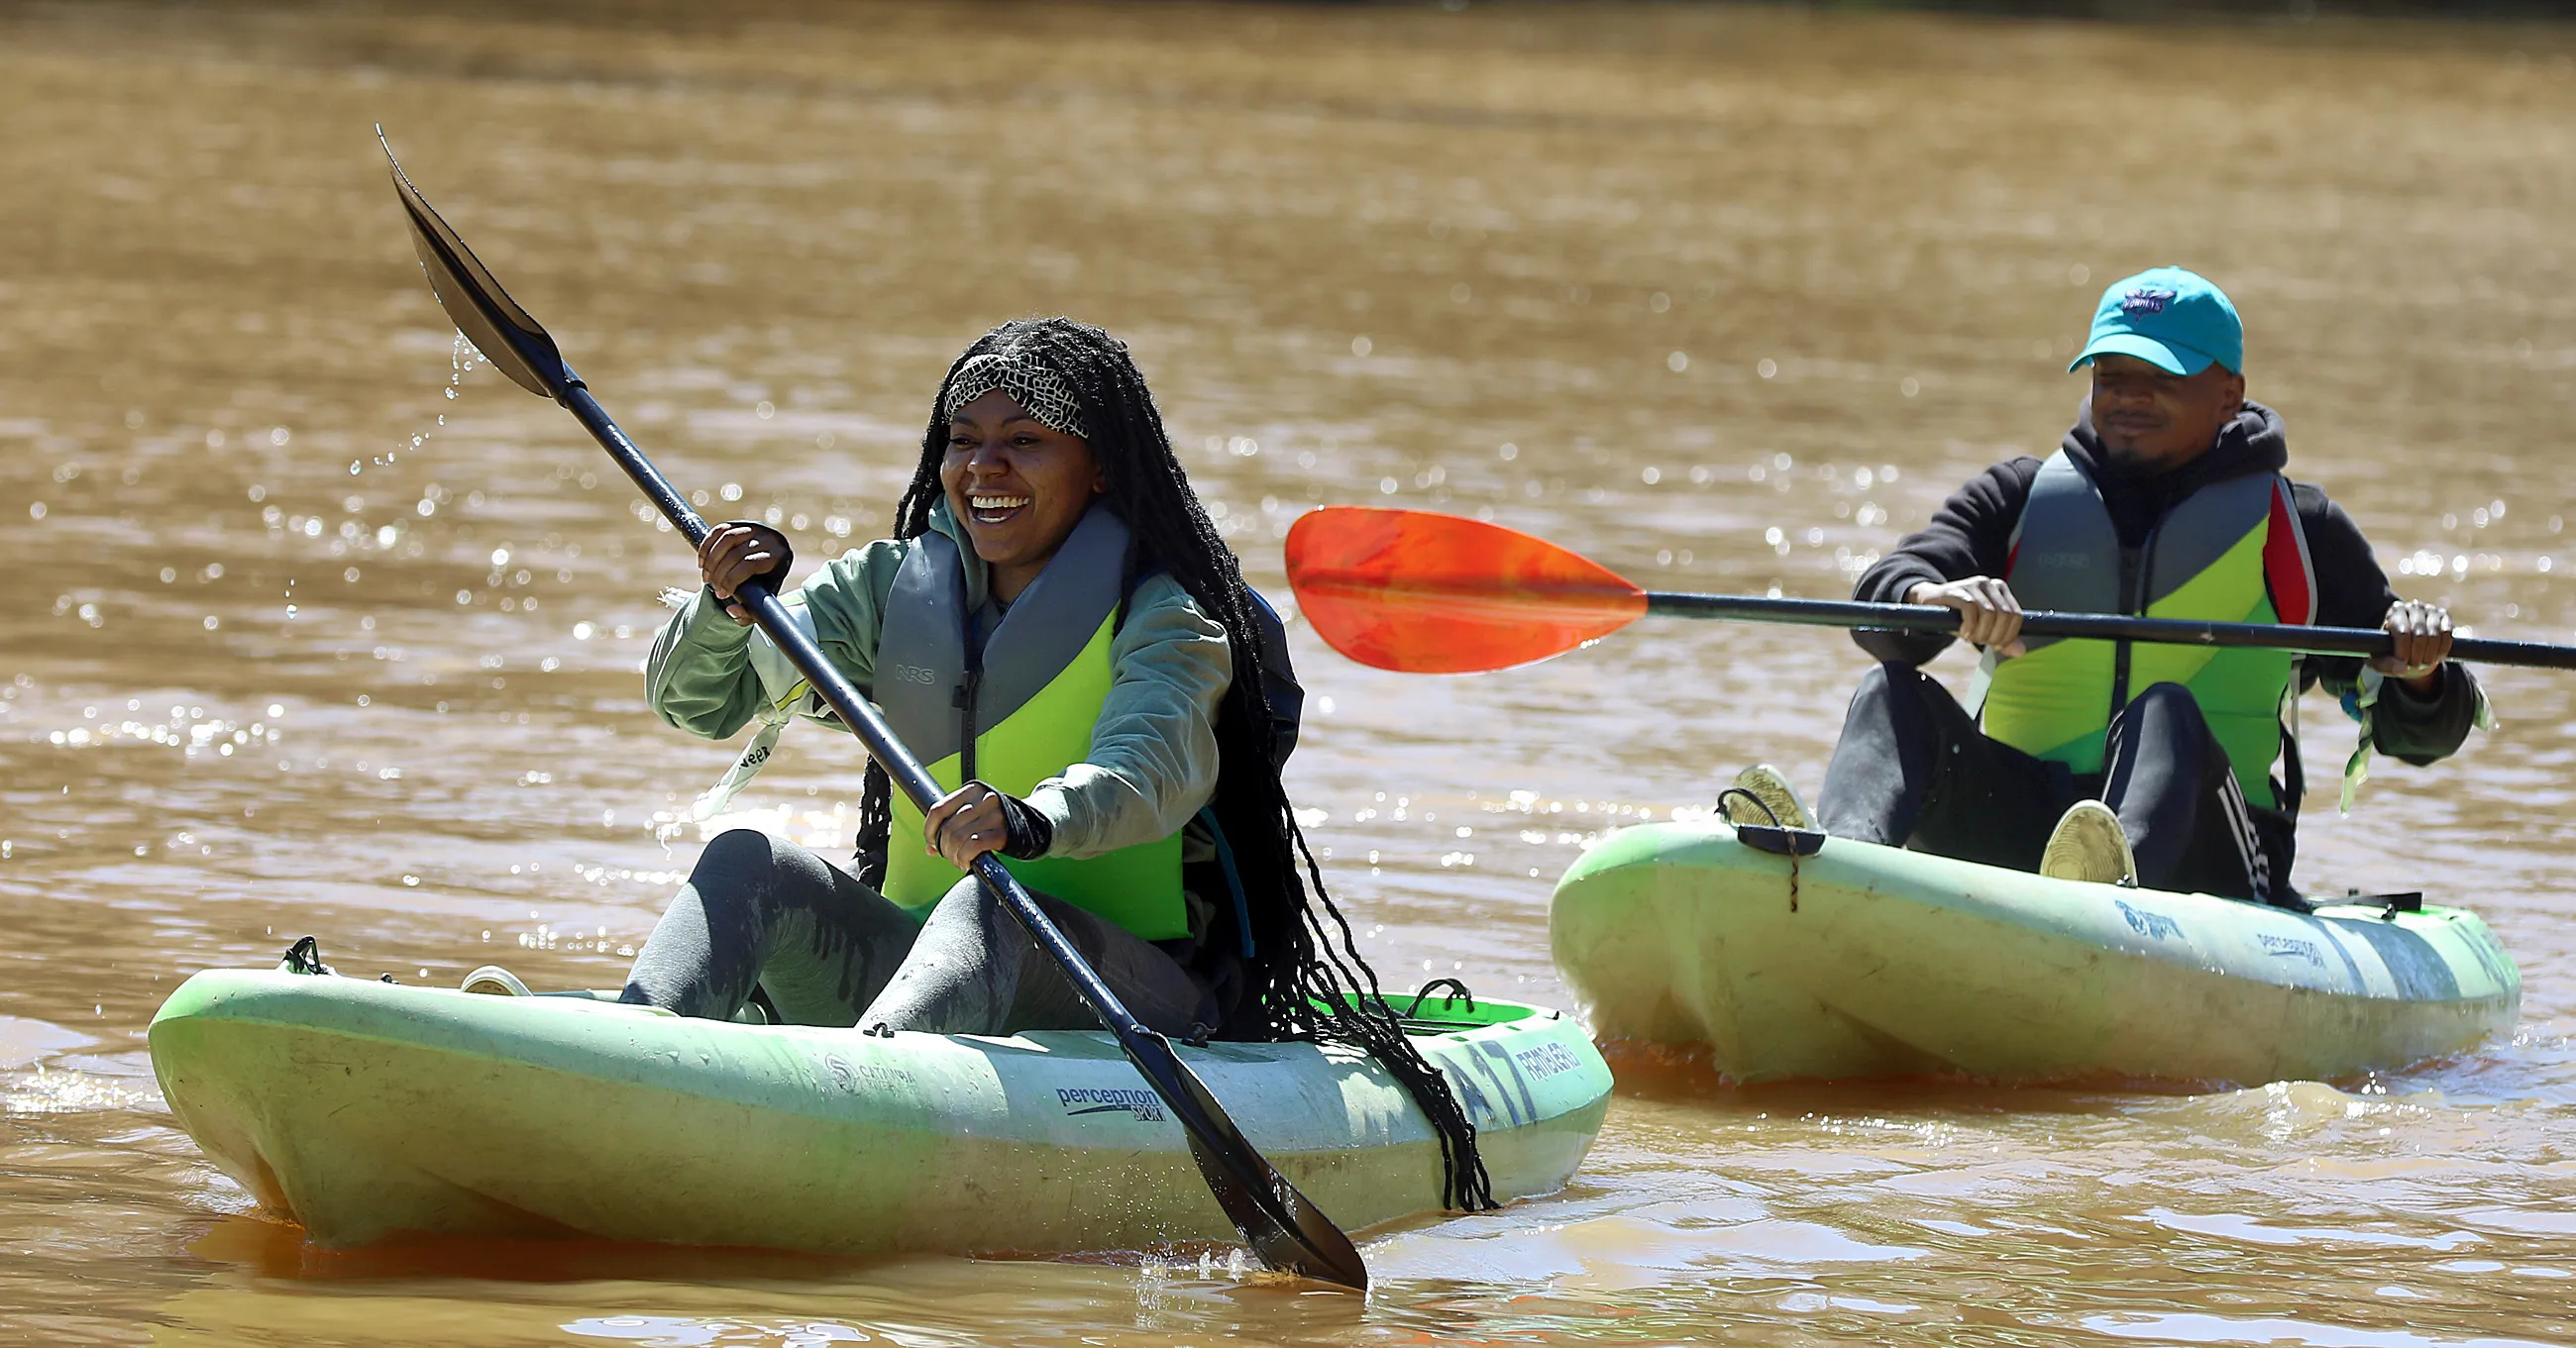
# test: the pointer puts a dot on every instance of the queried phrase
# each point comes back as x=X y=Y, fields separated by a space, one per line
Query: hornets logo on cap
x=2146 y=300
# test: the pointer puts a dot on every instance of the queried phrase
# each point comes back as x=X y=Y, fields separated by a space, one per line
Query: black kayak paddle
x=1284 y=1230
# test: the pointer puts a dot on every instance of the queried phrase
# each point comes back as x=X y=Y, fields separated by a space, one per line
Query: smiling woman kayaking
x=1059 y=630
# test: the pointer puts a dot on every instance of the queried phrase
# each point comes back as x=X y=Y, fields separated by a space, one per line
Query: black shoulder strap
x=1280 y=690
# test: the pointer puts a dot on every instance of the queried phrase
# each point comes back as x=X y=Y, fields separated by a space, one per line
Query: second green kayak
x=1874 y=961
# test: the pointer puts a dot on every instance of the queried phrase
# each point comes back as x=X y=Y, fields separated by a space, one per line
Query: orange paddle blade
x=1439 y=594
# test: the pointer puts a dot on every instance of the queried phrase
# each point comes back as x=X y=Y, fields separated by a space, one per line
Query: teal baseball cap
x=2170 y=318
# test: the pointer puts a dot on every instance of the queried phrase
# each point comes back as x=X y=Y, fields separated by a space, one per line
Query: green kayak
x=1885 y=962
x=364 y=1110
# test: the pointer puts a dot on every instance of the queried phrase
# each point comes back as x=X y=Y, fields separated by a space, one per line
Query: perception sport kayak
x=365 y=1110
x=1861 y=960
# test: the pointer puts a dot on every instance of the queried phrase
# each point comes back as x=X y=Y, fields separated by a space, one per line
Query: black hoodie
x=1971 y=535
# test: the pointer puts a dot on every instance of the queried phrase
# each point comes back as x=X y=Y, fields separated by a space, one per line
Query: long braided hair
x=1304 y=978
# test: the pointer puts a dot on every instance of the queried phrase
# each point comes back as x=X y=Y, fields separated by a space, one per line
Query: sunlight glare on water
x=1728 y=299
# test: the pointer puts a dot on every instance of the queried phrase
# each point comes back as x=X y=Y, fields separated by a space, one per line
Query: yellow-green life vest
x=2230 y=552
x=1033 y=697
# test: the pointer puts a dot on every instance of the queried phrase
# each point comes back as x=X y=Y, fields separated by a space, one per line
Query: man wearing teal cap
x=2172 y=767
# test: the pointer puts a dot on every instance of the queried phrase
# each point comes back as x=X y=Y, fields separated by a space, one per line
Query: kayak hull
x=1894 y=963
x=366 y=1111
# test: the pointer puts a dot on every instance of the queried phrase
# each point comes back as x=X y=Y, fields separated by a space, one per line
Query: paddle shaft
x=2358 y=641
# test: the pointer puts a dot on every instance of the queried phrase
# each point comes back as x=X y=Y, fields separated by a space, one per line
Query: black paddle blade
x=1285 y=1231
x=515 y=344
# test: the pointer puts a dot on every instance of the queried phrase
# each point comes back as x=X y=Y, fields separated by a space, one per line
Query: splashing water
x=462 y=358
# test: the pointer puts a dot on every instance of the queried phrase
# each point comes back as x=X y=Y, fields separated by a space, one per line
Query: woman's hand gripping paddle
x=1441 y=594
x=1284 y=1230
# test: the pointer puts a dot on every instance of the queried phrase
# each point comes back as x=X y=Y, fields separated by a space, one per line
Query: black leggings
x=828 y=950
x=1913 y=770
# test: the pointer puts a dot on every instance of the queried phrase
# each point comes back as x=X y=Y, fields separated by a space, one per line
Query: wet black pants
x=828 y=950
x=1913 y=770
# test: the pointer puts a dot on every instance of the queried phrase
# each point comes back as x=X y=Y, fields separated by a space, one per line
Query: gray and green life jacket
x=1014 y=713
x=2232 y=551
x=1041 y=678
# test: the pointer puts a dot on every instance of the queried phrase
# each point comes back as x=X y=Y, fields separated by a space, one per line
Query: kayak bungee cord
x=1285 y=1230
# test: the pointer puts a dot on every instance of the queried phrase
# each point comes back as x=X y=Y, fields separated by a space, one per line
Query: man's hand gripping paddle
x=1284 y=1230
x=1441 y=594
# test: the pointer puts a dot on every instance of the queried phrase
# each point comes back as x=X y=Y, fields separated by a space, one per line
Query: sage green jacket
x=1153 y=759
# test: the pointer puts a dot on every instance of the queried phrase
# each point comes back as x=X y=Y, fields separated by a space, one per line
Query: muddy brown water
x=1728 y=299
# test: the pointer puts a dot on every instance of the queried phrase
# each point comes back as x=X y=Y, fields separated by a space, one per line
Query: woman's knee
x=968 y=895
x=738 y=851
x=967 y=905
x=744 y=865
x=972 y=914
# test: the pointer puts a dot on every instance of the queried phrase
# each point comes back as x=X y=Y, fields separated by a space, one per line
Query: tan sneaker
x=2089 y=845
x=1765 y=783
x=494 y=981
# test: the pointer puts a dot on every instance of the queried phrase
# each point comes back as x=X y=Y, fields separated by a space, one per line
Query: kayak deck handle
x=1458 y=993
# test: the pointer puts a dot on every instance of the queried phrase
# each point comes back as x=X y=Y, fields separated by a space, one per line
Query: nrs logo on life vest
x=1077 y=1100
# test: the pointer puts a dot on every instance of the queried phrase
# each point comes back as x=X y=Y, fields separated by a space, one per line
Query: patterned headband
x=1039 y=390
